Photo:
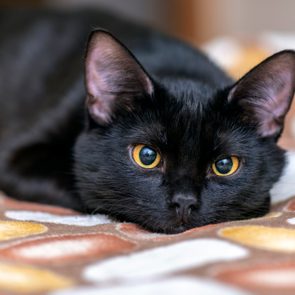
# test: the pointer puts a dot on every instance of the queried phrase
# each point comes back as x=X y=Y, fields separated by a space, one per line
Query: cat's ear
x=113 y=77
x=265 y=93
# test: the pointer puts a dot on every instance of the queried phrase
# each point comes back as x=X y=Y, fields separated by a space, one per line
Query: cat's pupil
x=147 y=155
x=224 y=166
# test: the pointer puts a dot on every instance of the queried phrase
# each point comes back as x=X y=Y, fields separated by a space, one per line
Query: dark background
x=194 y=20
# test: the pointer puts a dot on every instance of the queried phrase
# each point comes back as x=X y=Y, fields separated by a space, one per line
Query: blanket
x=52 y=250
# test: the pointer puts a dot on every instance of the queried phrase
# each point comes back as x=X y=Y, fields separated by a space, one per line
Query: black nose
x=183 y=204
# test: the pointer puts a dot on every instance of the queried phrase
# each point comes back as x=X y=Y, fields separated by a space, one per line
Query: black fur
x=53 y=151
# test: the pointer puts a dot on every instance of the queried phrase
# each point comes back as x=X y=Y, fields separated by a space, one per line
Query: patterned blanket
x=51 y=250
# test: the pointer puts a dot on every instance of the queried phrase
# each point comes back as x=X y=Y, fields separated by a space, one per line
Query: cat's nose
x=184 y=204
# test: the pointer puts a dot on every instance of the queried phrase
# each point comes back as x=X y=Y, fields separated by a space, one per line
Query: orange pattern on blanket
x=17 y=229
x=262 y=237
x=27 y=279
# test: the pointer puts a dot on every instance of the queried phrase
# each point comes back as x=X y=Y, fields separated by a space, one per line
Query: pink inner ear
x=99 y=100
x=100 y=62
x=113 y=77
x=266 y=92
x=99 y=110
x=278 y=104
x=93 y=80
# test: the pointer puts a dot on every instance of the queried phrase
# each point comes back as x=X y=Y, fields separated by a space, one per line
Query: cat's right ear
x=265 y=93
x=113 y=76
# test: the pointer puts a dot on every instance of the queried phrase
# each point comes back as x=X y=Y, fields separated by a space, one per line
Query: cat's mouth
x=178 y=230
x=176 y=227
x=172 y=230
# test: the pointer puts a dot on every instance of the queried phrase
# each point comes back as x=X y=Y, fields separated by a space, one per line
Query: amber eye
x=226 y=166
x=145 y=156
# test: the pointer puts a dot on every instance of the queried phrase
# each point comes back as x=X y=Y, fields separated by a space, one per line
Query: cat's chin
x=177 y=230
x=172 y=230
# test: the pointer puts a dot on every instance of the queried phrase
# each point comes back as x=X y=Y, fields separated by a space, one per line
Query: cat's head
x=172 y=154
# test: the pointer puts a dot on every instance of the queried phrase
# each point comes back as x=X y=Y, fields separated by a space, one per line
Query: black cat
x=165 y=139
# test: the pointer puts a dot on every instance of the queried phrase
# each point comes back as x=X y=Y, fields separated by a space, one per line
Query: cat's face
x=175 y=157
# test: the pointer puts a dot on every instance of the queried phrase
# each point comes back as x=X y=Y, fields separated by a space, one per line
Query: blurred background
x=237 y=34
x=196 y=21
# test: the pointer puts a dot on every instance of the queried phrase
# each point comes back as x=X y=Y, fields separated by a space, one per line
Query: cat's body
x=53 y=151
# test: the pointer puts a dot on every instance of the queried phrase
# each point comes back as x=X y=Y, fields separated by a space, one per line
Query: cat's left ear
x=113 y=76
x=265 y=93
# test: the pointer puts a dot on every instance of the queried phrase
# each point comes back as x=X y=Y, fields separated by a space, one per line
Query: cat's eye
x=226 y=166
x=146 y=156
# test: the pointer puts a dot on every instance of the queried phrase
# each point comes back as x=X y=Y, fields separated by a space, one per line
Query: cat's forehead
x=185 y=104
x=189 y=93
x=177 y=121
